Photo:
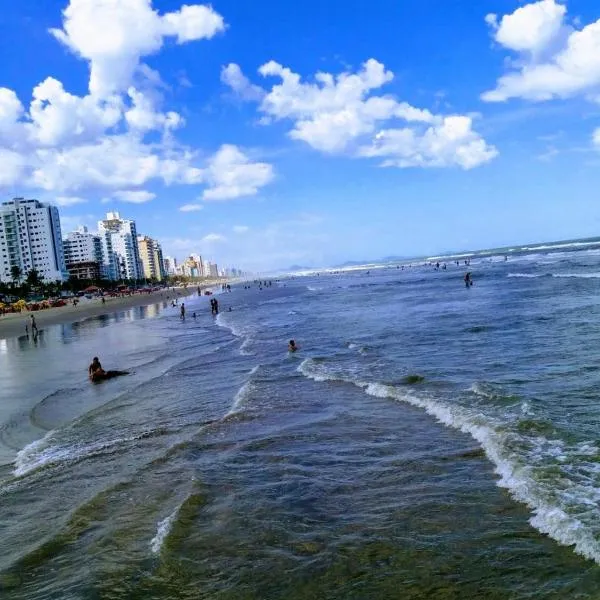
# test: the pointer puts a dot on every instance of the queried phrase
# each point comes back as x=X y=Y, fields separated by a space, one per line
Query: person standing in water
x=292 y=347
x=182 y=311
x=468 y=280
x=34 y=328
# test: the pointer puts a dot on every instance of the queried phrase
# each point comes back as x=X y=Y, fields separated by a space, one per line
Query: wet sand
x=13 y=324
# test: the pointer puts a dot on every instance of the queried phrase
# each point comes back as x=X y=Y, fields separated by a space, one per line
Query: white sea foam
x=557 y=275
x=43 y=452
x=242 y=394
x=163 y=530
x=550 y=516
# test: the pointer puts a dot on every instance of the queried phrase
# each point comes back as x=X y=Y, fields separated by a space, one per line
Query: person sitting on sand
x=95 y=369
x=292 y=347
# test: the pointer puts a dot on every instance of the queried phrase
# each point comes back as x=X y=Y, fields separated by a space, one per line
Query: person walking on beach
x=182 y=311
x=34 y=328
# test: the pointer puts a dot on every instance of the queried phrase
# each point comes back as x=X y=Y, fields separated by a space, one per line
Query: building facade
x=151 y=257
x=30 y=239
x=119 y=241
x=84 y=254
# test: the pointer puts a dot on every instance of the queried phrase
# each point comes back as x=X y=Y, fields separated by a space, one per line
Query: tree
x=33 y=278
x=16 y=273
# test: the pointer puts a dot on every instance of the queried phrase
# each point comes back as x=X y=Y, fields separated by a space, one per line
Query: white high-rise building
x=119 y=237
x=151 y=257
x=84 y=255
x=170 y=265
x=30 y=239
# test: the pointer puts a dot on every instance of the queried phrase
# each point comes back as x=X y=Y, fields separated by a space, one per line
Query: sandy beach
x=13 y=324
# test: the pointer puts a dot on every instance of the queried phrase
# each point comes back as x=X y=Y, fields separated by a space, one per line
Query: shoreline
x=13 y=324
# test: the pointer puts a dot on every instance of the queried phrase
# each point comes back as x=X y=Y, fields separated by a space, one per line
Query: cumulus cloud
x=231 y=174
x=67 y=143
x=452 y=142
x=530 y=28
x=113 y=35
x=341 y=114
x=68 y=200
x=556 y=60
x=134 y=196
x=232 y=76
x=212 y=238
x=191 y=207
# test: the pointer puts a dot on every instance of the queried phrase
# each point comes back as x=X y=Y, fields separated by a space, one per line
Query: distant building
x=212 y=270
x=84 y=255
x=85 y=270
x=151 y=257
x=170 y=265
x=30 y=239
x=119 y=237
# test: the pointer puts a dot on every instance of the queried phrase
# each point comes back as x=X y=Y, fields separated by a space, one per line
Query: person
x=183 y=310
x=103 y=300
x=33 y=324
x=95 y=369
x=193 y=315
x=468 y=280
x=216 y=305
x=292 y=347
x=212 y=306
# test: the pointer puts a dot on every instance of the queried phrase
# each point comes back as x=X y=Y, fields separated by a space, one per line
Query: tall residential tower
x=30 y=239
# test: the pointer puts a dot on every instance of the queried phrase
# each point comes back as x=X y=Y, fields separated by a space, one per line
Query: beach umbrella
x=92 y=288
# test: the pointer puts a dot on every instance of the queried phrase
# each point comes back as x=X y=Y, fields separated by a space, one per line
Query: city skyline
x=337 y=133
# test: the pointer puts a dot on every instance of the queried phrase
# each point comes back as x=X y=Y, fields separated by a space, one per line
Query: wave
x=557 y=275
x=163 y=530
x=42 y=453
x=242 y=394
x=549 y=509
x=238 y=332
x=174 y=527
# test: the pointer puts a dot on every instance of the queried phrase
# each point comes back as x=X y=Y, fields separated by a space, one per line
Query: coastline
x=13 y=324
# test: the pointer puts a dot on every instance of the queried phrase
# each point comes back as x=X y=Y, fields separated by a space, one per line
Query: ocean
x=427 y=440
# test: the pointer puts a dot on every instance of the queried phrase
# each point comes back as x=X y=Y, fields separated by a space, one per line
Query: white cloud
x=566 y=61
x=212 y=238
x=66 y=143
x=452 y=142
x=12 y=167
x=340 y=114
x=191 y=207
x=134 y=196
x=113 y=35
x=68 y=200
x=142 y=116
x=232 y=76
x=240 y=228
x=231 y=174
x=531 y=27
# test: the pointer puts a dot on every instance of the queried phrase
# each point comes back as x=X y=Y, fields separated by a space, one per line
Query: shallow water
x=427 y=441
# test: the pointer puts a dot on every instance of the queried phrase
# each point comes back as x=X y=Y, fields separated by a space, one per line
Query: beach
x=427 y=440
x=13 y=324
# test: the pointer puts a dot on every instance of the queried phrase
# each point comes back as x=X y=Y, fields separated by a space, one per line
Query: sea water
x=427 y=440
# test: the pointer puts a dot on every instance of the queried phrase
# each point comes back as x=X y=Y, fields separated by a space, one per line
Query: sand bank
x=13 y=324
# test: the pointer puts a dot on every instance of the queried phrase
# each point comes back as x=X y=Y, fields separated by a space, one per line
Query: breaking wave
x=520 y=454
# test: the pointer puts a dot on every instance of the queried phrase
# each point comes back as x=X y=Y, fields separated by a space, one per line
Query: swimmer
x=292 y=346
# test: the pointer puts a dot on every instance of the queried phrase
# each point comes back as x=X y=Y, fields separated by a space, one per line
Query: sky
x=266 y=134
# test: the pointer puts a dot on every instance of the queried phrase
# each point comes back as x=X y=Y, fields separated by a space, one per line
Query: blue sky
x=440 y=126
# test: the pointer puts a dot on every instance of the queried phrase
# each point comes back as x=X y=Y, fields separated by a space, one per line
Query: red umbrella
x=92 y=288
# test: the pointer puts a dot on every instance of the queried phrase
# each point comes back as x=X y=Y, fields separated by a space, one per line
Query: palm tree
x=33 y=278
x=16 y=273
